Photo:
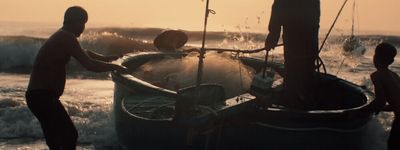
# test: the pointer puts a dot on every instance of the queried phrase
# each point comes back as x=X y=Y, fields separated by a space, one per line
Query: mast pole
x=333 y=24
x=352 y=21
x=319 y=60
x=202 y=50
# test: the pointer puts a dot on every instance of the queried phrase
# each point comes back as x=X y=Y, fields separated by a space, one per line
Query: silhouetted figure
x=47 y=79
x=299 y=21
x=387 y=90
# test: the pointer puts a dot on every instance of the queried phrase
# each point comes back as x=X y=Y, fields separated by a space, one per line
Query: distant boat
x=146 y=115
x=352 y=45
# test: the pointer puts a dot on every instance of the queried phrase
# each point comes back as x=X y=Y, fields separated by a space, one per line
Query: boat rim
x=124 y=79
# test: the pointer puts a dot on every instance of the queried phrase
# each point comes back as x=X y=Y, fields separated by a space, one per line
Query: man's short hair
x=75 y=14
x=385 y=52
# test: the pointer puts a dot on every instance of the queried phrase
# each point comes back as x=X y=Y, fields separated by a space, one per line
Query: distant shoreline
x=35 y=26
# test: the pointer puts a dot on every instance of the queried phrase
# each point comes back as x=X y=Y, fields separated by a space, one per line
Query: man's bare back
x=49 y=68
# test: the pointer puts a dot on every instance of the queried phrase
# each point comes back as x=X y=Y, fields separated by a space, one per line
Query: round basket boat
x=145 y=115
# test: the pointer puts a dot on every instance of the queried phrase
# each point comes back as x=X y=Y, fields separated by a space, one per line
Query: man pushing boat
x=47 y=79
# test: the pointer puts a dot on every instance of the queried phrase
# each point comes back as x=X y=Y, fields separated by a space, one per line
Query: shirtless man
x=47 y=79
x=387 y=90
x=298 y=20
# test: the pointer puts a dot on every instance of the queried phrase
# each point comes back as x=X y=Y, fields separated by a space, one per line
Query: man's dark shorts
x=57 y=126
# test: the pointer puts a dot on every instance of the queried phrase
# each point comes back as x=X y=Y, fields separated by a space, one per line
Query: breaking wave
x=92 y=120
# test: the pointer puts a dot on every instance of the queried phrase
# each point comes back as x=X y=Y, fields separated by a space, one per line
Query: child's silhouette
x=387 y=90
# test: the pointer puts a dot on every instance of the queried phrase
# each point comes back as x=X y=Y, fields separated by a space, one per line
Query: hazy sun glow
x=376 y=15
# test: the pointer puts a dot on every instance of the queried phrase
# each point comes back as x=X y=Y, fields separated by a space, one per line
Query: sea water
x=88 y=97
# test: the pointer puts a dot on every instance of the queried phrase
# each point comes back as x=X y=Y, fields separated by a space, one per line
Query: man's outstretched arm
x=101 y=57
x=94 y=65
x=275 y=26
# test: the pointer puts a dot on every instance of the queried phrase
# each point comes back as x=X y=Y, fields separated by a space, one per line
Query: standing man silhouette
x=47 y=79
x=299 y=21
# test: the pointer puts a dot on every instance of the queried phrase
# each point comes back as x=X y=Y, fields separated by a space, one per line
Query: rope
x=319 y=60
x=352 y=32
x=212 y=111
x=147 y=100
x=249 y=51
x=311 y=129
x=265 y=62
x=352 y=18
x=320 y=63
x=340 y=67
x=358 y=19
x=240 y=71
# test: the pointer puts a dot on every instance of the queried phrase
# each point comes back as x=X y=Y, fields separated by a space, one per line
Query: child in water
x=387 y=90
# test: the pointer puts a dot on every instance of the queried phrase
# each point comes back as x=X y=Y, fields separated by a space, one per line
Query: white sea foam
x=92 y=120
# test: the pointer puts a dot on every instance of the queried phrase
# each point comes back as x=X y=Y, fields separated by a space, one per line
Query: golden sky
x=375 y=15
